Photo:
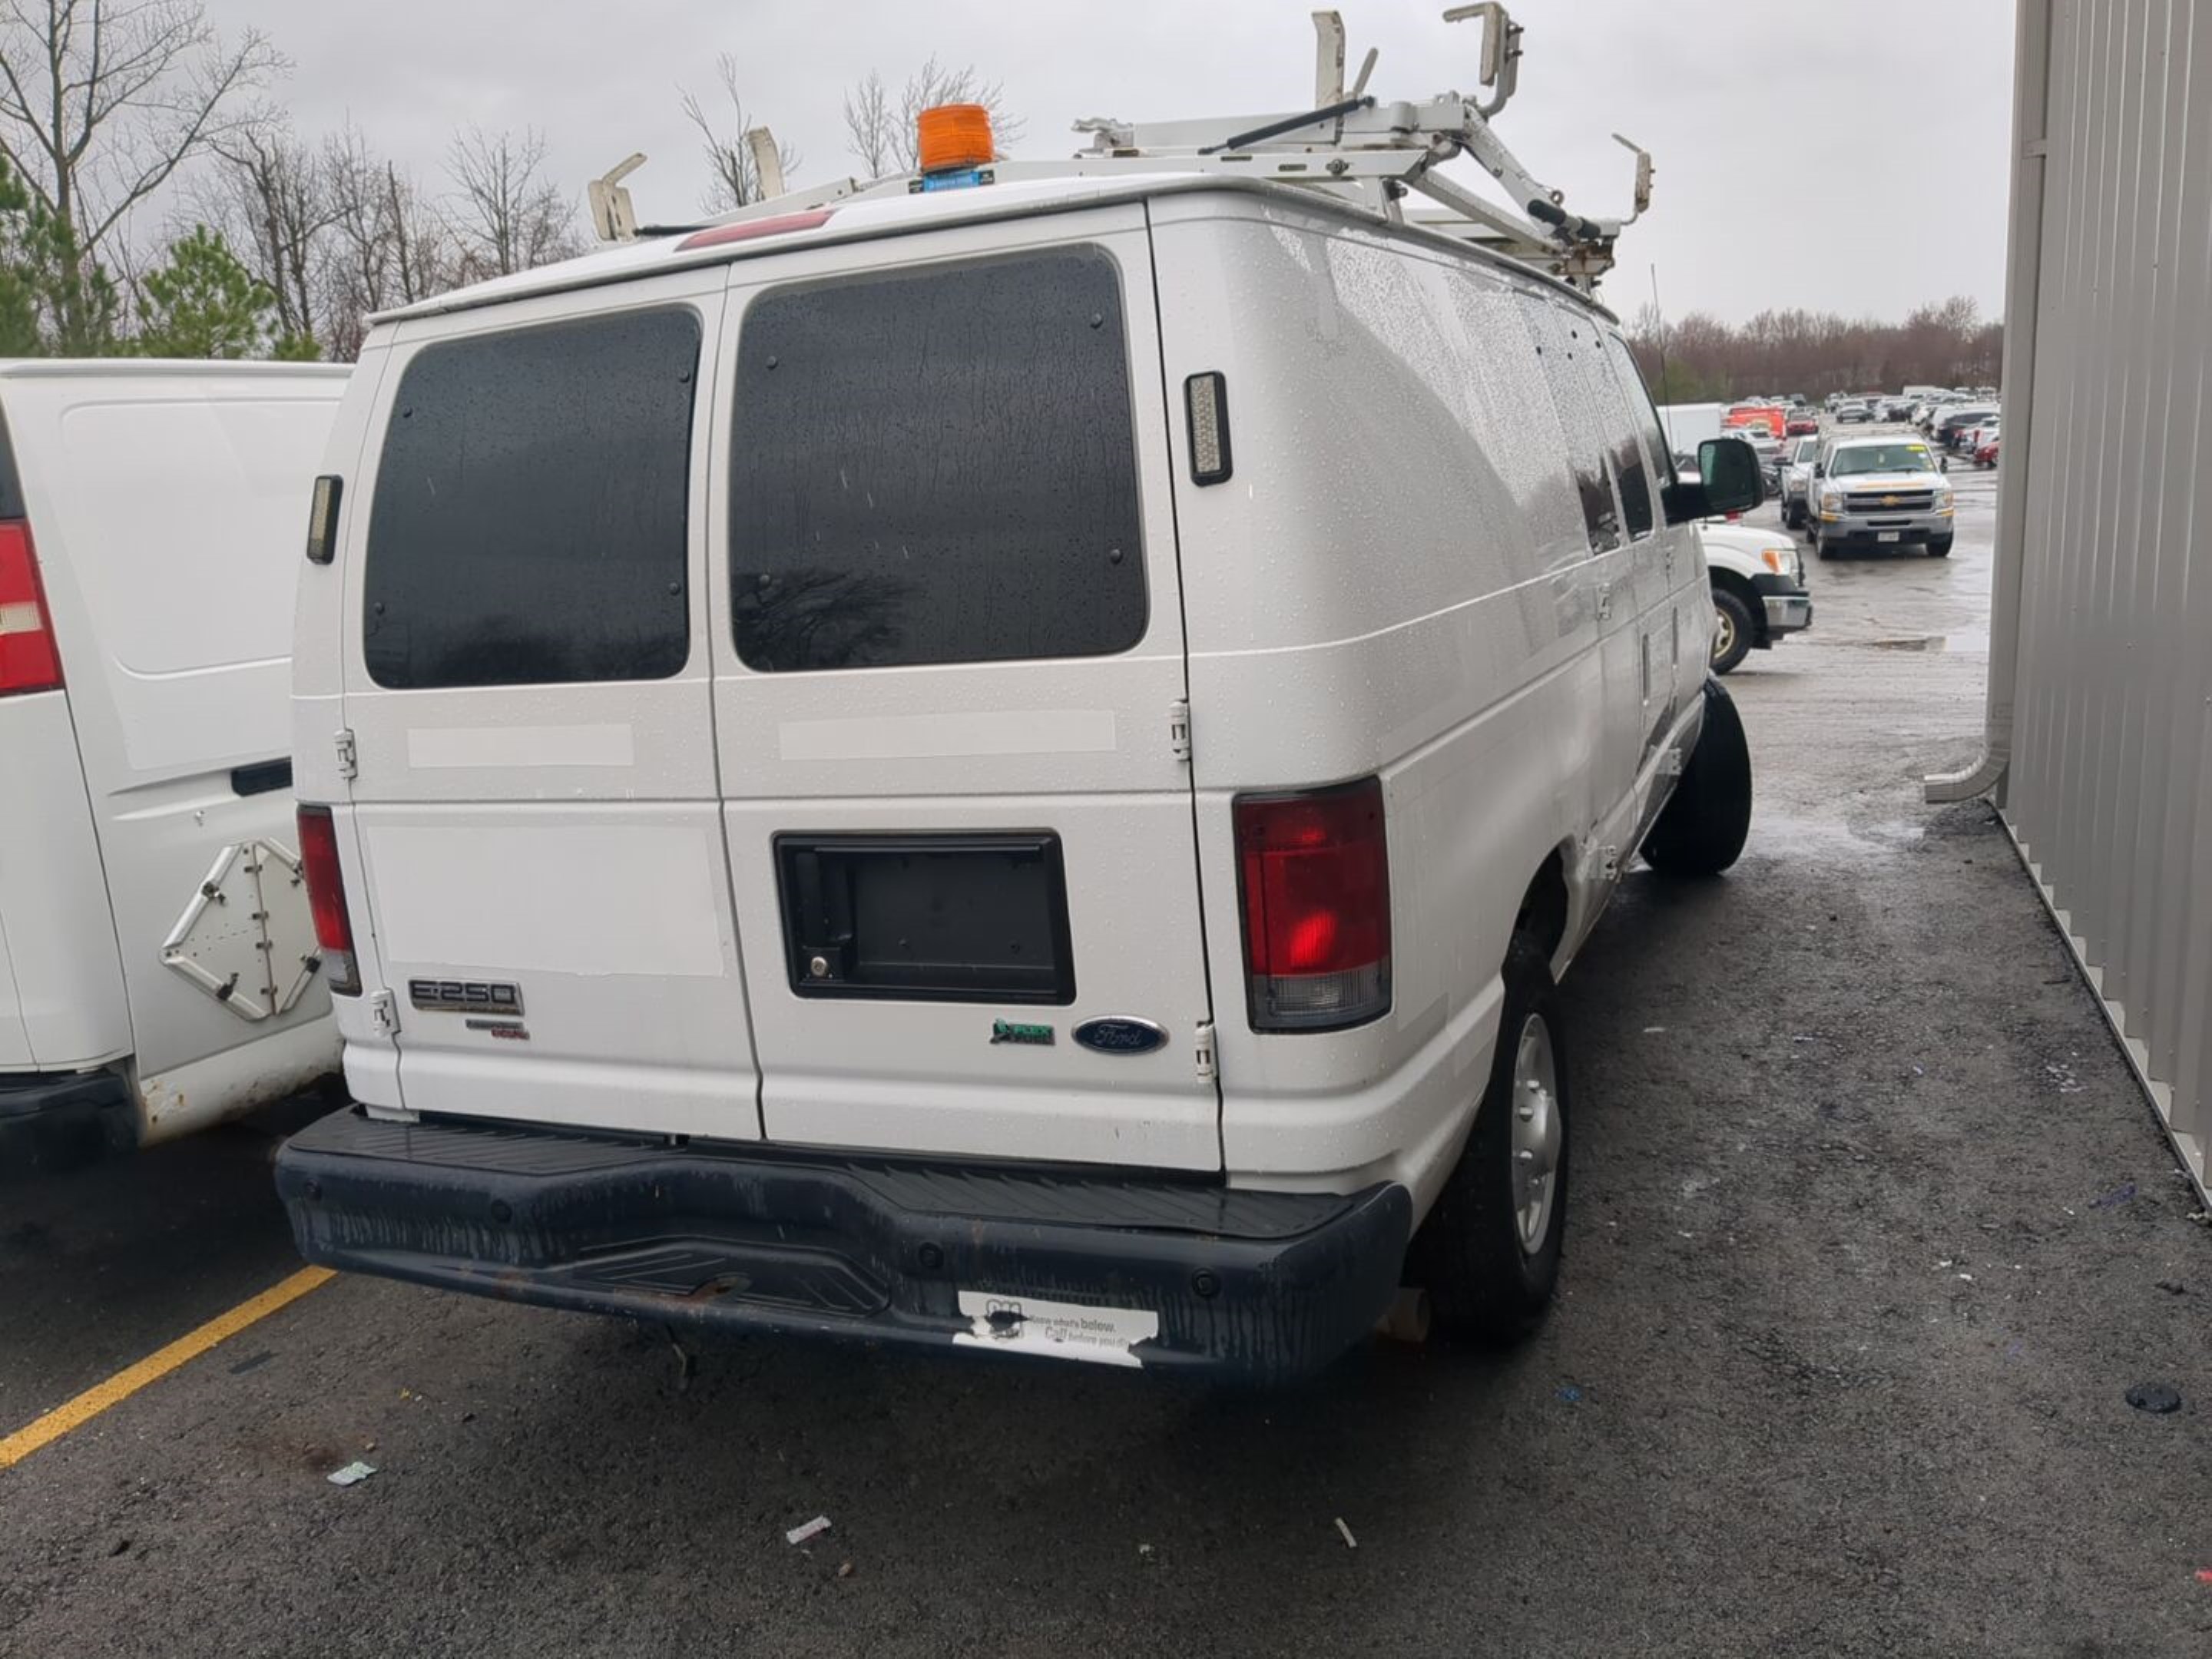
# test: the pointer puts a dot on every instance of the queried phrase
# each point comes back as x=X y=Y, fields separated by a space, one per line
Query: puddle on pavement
x=1774 y=832
x=1973 y=641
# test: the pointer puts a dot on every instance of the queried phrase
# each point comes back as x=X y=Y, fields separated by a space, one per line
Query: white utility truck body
x=1688 y=425
x=150 y=522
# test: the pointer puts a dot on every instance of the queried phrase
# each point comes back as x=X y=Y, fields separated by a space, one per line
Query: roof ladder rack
x=1352 y=143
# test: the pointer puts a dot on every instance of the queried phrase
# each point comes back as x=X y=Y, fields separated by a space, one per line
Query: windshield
x=1882 y=457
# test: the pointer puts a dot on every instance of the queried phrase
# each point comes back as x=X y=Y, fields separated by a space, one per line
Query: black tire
x=1732 y=630
x=1701 y=830
x=1487 y=1282
x=1821 y=547
x=1793 y=516
x=1940 y=548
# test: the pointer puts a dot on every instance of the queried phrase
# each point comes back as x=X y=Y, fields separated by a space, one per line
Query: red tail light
x=29 y=659
x=319 y=861
x=1313 y=873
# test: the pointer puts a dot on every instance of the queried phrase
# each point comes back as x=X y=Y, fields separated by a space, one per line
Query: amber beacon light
x=954 y=135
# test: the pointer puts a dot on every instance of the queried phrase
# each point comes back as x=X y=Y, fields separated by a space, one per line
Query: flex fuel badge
x=1015 y=1030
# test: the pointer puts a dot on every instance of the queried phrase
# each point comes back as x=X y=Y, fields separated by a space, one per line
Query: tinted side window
x=1622 y=446
x=937 y=465
x=528 y=526
x=1567 y=363
x=1641 y=412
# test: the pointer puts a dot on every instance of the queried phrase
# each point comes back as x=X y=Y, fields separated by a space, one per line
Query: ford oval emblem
x=1119 y=1033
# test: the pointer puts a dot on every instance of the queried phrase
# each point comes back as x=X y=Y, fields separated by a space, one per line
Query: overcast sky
x=1836 y=155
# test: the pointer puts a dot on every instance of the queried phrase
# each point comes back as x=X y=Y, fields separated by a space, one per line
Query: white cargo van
x=1008 y=766
x=157 y=960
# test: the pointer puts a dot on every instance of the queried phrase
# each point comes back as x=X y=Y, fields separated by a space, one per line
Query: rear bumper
x=1121 y=1269
x=57 y=1121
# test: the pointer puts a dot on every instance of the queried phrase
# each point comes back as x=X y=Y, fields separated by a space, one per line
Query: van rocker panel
x=1263 y=1286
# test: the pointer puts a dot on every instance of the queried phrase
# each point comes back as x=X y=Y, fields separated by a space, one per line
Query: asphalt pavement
x=1871 y=1233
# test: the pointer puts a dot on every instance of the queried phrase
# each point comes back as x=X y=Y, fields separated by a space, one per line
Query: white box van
x=156 y=955
x=1008 y=767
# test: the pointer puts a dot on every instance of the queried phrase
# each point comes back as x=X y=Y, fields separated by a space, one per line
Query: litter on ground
x=813 y=1529
x=1350 y=1542
x=352 y=1474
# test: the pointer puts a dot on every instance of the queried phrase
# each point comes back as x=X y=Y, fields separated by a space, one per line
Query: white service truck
x=158 y=968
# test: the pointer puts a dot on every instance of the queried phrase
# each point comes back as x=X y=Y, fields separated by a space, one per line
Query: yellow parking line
x=76 y=1413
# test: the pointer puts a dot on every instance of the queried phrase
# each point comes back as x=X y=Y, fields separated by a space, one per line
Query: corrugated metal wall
x=2110 y=788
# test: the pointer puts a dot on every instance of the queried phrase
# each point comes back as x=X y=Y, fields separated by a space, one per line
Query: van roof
x=123 y=368
x=852 y=221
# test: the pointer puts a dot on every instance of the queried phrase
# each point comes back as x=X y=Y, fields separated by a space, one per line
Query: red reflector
x=745 y=229
x=30 y=660
x=1315 y=879
x=319 y=862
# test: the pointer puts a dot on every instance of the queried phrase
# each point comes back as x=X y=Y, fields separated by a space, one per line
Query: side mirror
x=1818 y=471
x=1945 y=464
x=1728 y=482
x=1729 y=467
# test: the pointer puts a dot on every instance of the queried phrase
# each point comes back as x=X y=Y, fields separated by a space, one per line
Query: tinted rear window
x=529 y=515
x=936 y=466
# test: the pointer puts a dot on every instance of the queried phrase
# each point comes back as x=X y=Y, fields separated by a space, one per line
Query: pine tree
x=204 y=303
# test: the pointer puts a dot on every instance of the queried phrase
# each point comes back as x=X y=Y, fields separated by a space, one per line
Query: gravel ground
x=1871 y=1234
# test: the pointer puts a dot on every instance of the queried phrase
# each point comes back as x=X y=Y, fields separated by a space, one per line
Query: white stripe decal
x=476 y=746
x=950 y=737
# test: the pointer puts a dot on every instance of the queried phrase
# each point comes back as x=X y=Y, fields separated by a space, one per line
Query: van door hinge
x=1179 y=728
x=384 y=1013
x=349 y=756
x=1206 y=1048
x=1608 y=860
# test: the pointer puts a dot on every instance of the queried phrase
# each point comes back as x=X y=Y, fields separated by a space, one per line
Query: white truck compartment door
x=169 y=512
x=948 y=693
x=526 y=681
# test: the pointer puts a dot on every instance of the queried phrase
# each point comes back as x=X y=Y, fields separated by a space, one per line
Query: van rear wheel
x=1489 y=1254
x=1701 y=830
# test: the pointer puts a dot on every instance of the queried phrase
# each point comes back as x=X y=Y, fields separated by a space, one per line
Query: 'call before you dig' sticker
x=1062 y=1330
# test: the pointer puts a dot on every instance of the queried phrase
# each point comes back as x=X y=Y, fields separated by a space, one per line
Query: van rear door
x=167 y=503
x=949 y=700
x=526 y=686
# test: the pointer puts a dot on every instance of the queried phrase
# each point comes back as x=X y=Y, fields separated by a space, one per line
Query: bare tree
x=881 y=132
x=1705 y=358
x=735 y=178
x=270 y=198
x=102 y=100
x=506 y=215
x=868 y=124
x=388 y=244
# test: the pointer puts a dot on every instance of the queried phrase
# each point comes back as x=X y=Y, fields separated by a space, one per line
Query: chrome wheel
x=1536 y=1133
x=1723 y=634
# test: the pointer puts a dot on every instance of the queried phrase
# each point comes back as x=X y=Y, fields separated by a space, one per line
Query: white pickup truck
x=1758 y=579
